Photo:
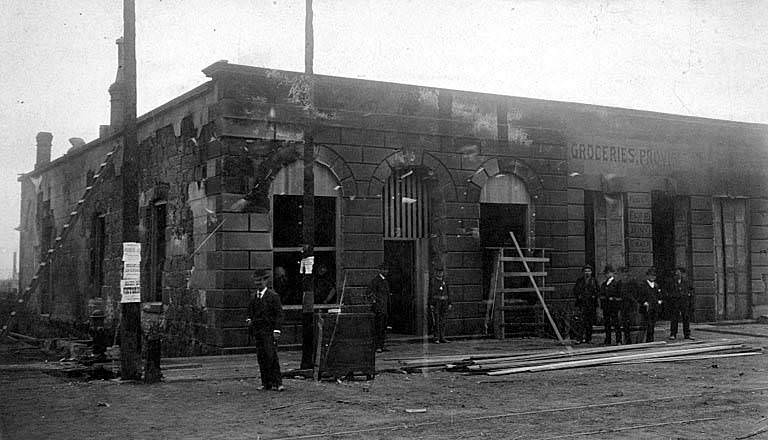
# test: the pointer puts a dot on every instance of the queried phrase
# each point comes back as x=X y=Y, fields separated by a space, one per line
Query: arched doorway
x=505 y=206
x=406 y=228
x=286 y=192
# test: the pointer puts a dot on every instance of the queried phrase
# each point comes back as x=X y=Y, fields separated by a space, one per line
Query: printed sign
x=131 y=251
x=130 y=291
x=131 y=270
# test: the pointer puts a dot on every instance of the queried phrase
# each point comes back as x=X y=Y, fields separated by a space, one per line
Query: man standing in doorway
x=439 y=305
x=649 y=298
x=611 y=302
x=681 y=304
x=265 y=317
x=378 y=292
x=586 y=291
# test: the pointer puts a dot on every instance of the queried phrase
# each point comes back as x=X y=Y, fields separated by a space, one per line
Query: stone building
x=418 y=177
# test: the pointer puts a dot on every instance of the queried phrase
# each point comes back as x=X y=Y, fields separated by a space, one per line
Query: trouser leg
x=263 y=357
x=685 y=311
x=673 y=320
x=276 y=378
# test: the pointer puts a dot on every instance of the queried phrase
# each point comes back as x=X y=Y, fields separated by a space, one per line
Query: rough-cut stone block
x=362 y=242
x=260 y=223
x=363 y=207
x=462 y=210
x=234 y=279
x=226 y=318
x=226 y=298
x=244 y=241
x=352 y=136
x=233 y=221
x=462 y=244
x=260 y=260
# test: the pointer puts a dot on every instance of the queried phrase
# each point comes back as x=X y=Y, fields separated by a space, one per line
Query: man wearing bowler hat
x=265 y=317
x=680 y=296
x=379 y=293
x=649 y=299
x=586 y=291
x=610 y=292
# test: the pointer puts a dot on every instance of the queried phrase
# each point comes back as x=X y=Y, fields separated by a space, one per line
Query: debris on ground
x=495 y=364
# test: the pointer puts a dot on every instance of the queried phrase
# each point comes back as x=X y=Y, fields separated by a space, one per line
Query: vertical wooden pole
x=308 y=209
x=130 y=326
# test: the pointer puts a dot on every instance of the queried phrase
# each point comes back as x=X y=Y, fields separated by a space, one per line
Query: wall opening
x=663 y=234
x=406 y=223
x=504 y=208
x=287 y=239
x=730 y=222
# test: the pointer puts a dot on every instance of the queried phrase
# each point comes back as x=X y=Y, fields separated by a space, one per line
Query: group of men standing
x=439 y=303
x=621 y=298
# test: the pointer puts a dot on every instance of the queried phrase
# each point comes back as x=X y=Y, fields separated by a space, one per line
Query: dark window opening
x=663 y=231
x=589 y=230
x=287 y=281
x=287 y=240
x=497 y=220
x=288 y=216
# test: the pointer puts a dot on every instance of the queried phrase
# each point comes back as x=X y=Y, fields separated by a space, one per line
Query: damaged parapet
x=117 y=92
x=44 y=140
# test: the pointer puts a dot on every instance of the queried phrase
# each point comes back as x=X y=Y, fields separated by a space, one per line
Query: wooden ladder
x=517 y=310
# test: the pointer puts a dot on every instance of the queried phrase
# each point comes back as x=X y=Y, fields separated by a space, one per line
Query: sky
x=698 y=58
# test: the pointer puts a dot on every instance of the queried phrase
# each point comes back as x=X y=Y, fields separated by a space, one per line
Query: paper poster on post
x=131 y=270
x=306 y=265
x=131 y=251
x=130 y=291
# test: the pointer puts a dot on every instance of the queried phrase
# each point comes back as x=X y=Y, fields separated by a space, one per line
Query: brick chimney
x=117 y=92
x=44 y=140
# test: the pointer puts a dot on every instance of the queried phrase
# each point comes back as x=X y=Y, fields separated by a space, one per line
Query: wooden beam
x=609 y=360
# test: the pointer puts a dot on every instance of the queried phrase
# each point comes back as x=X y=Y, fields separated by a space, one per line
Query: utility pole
x=130 y=321
x=308 y=210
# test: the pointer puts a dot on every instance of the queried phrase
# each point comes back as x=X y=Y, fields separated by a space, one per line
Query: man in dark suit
x=378 y=293
x=610 y=292
x=649 y=299
x=681 y=304
x=586 y=291
x=439 y=305
x=265 y=317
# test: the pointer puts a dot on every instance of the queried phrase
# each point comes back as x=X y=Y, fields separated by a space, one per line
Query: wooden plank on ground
x=610 y=360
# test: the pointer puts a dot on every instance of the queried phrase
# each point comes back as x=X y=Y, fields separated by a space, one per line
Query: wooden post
x=308 y=209
x=130 y=326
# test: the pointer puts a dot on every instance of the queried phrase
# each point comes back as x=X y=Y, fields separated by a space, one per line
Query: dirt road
x=217 y=398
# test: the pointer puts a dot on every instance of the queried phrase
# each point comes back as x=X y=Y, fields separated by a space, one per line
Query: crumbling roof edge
x=197 y=91
x=224 y=66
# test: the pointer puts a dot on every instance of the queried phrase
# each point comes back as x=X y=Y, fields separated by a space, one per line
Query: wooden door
x=733 y=299
x=609 y=230
x=399 y=256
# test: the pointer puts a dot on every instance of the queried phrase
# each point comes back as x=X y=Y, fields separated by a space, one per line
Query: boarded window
x=731 y=250
x=608 y=217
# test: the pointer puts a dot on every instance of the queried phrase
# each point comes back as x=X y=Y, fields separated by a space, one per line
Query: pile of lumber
x=496 y=364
